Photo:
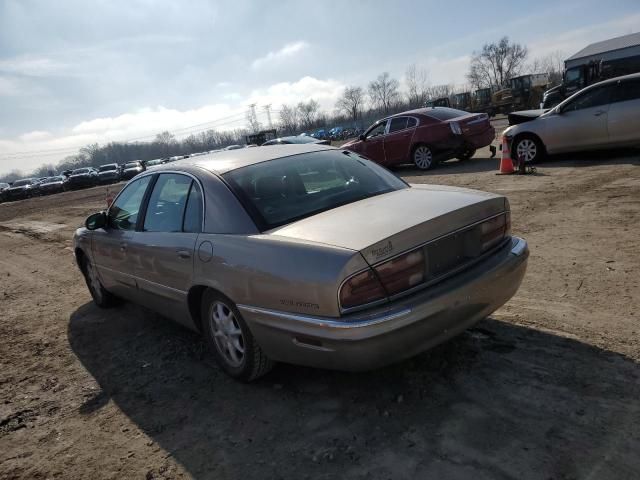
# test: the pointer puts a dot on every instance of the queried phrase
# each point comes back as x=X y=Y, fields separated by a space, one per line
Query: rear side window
x=398 y=123
x=123 y=214
x=167 y=203
x=627 y=90
x=193 y=212
x=411 y=122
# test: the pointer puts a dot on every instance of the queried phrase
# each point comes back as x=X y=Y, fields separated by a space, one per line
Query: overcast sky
x=75 y=72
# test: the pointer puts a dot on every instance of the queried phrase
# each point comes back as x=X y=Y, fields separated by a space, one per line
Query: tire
x=422 y=157
x=528 y=146
x=101 y=297
x=466 y=154
x=230 y=339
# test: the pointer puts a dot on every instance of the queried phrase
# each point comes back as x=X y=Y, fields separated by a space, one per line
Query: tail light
x=494 y=230
x=402 y=272
x=361 y=289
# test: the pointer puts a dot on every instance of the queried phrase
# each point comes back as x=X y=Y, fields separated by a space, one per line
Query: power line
x=238 y=117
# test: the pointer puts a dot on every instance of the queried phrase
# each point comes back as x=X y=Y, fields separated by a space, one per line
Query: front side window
x=281 y=191
x=167 y=203
x=398 y=123
x=589 y=99
x=123 y=214
x=376 y=130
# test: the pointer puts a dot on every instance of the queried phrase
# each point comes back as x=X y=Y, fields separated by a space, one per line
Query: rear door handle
x=184 y=253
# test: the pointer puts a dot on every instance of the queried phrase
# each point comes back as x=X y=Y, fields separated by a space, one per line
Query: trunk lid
x=473 y=123
x=383 y=226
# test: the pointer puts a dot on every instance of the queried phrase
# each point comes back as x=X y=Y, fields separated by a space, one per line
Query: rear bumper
x=399 y=330
x=482 y=139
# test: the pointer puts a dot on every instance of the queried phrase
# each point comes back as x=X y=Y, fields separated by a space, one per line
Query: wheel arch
x=533 y=135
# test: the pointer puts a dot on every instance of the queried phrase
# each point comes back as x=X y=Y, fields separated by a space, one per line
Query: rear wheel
x=529 y=148
x=466 y=154
x=422 y=157
x=230 y=340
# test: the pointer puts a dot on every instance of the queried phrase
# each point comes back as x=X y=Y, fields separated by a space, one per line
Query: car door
x=397 y=142
x=164 y=246
x=624 y=113
x=580 y=124
x=110 y=245
x=373 y=143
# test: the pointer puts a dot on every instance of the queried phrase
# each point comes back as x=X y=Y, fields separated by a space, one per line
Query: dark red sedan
x=424 y=137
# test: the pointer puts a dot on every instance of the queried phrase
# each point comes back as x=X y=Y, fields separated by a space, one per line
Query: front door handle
x=599 y=112
x=184 y=253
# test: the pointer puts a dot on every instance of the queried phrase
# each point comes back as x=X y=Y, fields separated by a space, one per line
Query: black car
x=83 y=177
x=298 y=139
x=109 y=173
x=3 y=187
x=55 y=184
x=25 y=188
x=132 y=169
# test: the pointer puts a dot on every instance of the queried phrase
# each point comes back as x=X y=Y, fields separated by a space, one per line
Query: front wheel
x=528 y=148
x=423 y=157
x=231 y=341
x=101 y=297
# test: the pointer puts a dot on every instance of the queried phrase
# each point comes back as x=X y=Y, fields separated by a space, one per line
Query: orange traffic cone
x=506 y=164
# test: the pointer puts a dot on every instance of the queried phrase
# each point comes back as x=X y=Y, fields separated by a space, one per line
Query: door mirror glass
x=95 y=221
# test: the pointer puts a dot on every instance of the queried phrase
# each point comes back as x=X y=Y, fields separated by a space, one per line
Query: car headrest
x=269 y=187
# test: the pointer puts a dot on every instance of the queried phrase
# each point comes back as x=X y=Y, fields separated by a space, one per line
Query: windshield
x=444 y=113
x=21 y=183
x=53 y=179
x=107 y=168
x=281 y=191
x=131 y=165
x=78 y=171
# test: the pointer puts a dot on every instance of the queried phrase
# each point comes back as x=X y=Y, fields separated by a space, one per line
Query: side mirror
x=362 y=137
x=95 y=221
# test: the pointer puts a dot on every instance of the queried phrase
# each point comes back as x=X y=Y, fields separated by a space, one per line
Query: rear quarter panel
x=433 y=133
x=276 y=273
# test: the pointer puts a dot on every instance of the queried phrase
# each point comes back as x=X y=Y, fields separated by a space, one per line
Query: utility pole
x=267 y=108
x=252 y=118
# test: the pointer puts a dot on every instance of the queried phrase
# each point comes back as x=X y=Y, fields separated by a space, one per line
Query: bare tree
x=496 y=63
x=289 y=119
x=308 y=112
x=553 y=64
x=351 y=102
x=384 y=92
x=165 y=142
x=439 y=91
x=417 y=85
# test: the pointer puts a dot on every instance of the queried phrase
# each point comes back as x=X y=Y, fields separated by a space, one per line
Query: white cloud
x=325 y=92
x=35 y=148
x=286 y=52
x=33 y=66
x=36 y=136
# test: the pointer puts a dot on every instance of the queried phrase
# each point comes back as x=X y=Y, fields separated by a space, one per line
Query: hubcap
x=94 y=281
x=422 y=157
x=526 y=149
x=227 y=334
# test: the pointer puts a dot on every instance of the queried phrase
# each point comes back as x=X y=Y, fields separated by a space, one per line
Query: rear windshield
x=280 y=191
x=444 y=113
x=132 y=165
x=79 y=170
x=21 y=183
x=53 y=179
x=107 y=168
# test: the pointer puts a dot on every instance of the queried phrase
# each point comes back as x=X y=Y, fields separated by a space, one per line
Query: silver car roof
x=225 y=161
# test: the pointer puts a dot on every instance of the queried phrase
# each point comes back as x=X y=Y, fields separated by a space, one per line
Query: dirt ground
x=546 y=388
